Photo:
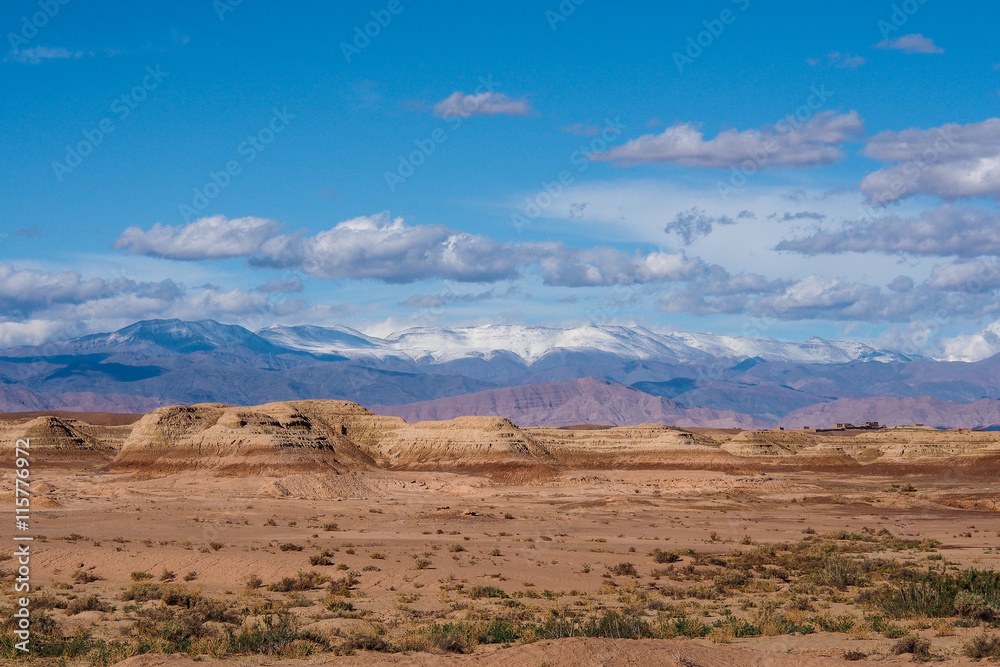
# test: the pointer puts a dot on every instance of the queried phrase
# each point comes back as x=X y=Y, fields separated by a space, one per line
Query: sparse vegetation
x=303 y=581
x=861 y=593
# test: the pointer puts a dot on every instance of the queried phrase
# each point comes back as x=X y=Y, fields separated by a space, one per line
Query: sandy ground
x=553 y=540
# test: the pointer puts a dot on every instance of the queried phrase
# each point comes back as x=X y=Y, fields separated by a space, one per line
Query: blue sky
x=736 y=166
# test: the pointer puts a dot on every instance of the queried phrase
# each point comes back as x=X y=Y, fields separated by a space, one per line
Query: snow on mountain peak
x=531 y=343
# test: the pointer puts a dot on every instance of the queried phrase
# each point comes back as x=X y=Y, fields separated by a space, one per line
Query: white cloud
x=950 y=161
x=813 y=143
x=463 y=105
x=913 y=43
x=207 y=238
x=37 y=305
x=593 y=267
x=380 y=248
x=973 y=347
x=27 y=290
x=388 y=250
x=941 y=231
x=976 y=276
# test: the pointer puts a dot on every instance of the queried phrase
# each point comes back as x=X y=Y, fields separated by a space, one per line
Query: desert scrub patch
x=660 y=556
x=340 y=608
x=44 y=599
x=972 y=594
x=623 y=569
x=81 y=576
x=320 y=560
x=842 y=623
x=480 y=592
x=302 y=581
x=344 y=585
x=914 y=644
x=982 y=646
x=273 y=635
x=87 y=603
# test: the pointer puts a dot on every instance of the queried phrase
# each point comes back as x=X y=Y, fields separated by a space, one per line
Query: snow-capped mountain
x=158 y=337
x=530 y=344
x=675 y=376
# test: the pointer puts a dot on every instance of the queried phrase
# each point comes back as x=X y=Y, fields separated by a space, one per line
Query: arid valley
x=315 y=532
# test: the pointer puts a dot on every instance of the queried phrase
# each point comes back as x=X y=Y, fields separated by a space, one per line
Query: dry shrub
x=914 y=644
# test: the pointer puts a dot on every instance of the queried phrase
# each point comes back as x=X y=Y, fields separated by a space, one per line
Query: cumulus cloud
x=962 y=290
x=787 y=144
x=36 y=305
x=950 y=161
x=387 y=249
x=380 y=248
x=815 y=297
x=975 y=276
x=694 y=223
x=913 y=43
x=215 y=237
x=942 y=231
x=23 y=291
x=462 y=105
x=593 y=267
x=973 y=347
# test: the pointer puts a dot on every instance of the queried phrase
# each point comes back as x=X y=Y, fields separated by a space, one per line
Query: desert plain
x=316 y=532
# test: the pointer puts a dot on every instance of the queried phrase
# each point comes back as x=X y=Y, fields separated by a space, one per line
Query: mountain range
x=532 y=375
